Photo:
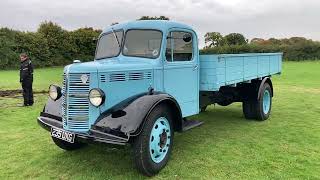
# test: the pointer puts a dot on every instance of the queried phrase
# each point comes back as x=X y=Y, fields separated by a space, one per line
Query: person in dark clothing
x=26 y=79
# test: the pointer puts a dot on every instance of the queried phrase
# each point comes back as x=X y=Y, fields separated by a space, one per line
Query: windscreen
x=142 y=43
x=108 y=45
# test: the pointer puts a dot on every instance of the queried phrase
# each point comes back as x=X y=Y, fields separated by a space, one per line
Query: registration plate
x=63 y=135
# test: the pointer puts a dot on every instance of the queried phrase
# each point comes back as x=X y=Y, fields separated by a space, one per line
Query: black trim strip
x=51 y=116
x=95 y=136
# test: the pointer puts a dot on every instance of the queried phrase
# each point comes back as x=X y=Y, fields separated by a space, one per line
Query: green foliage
x=235 y=39
x=214 y=39
x=8 y=55
x=50 y=45
x=294 y=49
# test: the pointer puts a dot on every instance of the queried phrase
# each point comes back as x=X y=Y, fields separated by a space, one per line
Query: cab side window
x=179 y=46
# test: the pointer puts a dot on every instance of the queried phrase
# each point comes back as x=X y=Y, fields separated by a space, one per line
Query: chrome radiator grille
x=75 y=103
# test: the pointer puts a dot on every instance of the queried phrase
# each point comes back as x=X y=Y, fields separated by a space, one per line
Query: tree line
x=294 y=48
x=51 y=45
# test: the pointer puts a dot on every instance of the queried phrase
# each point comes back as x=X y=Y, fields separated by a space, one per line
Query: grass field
x=226 y=146
x=42 y=78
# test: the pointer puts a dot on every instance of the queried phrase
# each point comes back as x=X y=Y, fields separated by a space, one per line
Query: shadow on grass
x=112 y=160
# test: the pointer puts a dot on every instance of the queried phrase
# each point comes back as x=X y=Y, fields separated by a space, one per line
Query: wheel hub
x=266 y=102
x=163 y=139
x=159 y=139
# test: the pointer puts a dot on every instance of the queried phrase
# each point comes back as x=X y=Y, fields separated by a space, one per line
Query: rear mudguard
x=265 y=80
x=129 y=116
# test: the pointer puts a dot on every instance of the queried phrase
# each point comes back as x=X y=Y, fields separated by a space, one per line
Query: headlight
x=54 y=92
x=96 y=97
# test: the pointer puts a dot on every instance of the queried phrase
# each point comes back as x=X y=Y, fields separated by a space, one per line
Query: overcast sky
x=253 y=18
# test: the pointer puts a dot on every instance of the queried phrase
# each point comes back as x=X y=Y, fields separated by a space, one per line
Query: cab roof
x=161 y=25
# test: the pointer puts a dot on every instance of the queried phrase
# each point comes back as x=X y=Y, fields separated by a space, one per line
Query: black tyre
x=153 y=146
x=248 y=108
x=259 y=109
x=263 y=106
x=66 y=145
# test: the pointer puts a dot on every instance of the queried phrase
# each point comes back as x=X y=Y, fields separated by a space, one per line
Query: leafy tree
x=235 y=39
x=213 y=39
x=58 y=41
x=275 y=41
x=257 y=41
x=9 y=57
x=83 y=44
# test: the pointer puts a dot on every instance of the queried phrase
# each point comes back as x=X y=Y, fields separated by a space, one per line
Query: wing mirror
x=95 y=40
x=187 y=38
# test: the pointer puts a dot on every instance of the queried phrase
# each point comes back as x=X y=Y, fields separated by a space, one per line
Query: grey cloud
x=253 y=18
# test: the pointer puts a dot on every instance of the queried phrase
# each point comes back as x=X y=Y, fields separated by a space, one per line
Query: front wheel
x=153 y=146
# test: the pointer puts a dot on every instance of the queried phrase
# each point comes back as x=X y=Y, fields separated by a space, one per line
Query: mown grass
x=227 y=146
x=42 y=78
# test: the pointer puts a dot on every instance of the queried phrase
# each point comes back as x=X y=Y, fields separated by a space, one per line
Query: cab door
x=181 y=70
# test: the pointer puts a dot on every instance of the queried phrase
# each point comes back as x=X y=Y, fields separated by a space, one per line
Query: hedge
x=292 y=52
x=51 y=45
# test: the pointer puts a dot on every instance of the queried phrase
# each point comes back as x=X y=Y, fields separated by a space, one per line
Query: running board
x=189 y=124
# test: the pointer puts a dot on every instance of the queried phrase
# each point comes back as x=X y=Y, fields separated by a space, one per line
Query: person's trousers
x=27 y=91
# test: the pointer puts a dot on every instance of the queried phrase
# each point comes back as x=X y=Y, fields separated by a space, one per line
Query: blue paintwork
x=181 y=79
x=159 y=148
x=266 y=101
x=228 y=69
x=122 y=76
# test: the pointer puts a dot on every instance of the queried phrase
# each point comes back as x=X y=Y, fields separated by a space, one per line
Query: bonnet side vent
x=135 y=75
x=117 y=77
x=103 y=78
x=147 y=75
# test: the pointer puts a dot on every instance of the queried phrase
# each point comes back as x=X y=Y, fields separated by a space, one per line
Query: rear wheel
x=66 y=145
x=259 y=109
x=153 y=146
x=263 y=106
x=248 y=109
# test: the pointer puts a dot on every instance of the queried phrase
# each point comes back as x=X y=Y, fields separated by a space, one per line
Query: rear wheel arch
x=265 y=80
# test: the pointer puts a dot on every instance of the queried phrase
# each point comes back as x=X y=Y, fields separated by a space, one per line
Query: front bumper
x=48 y=121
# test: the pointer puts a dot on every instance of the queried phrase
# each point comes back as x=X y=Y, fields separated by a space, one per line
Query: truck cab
x=142 y=85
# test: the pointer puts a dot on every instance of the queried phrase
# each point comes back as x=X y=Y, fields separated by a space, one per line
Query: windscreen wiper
x=116 y=37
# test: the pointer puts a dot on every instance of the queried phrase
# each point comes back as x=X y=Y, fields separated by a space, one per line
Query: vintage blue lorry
x=146 y=79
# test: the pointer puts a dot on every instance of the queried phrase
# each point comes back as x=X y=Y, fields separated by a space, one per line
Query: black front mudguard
x=118 y=123
x=129 y=116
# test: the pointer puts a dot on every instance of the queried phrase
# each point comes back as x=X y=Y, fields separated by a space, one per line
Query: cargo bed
x=228 y=69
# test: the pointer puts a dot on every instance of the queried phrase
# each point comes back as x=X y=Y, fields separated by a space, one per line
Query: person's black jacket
x=26 y=70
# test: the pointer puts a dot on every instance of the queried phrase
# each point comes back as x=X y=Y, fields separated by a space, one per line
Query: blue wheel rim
x=266 y=102
x=160 y=138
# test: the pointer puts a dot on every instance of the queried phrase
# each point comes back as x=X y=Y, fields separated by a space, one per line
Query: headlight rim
x=58 y=89
x=102 y=95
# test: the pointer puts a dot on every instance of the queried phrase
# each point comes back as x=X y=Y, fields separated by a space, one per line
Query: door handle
x=195 y=67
